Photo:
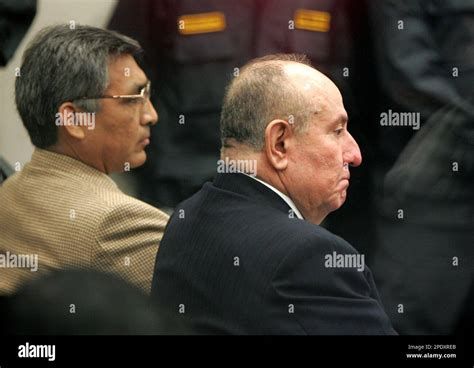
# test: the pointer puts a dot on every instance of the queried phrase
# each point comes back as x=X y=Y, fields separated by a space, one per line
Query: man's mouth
x=145 y=141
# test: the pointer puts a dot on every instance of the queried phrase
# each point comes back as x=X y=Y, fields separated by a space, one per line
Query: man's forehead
x=124 y=72
x=326 y=102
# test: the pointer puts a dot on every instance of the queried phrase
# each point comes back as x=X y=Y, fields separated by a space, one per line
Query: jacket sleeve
x=127 y=241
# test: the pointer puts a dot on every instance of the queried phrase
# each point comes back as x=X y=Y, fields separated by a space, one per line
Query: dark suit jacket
x=233 y=261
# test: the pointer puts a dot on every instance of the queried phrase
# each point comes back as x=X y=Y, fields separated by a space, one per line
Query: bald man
x=246 y=254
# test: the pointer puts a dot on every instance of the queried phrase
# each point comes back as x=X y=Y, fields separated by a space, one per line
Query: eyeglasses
x=144 y=95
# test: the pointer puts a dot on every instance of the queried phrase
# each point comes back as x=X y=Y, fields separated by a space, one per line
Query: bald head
x=282 y=86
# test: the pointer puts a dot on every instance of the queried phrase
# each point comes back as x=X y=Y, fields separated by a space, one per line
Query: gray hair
x=261 y=93
x=63 y=64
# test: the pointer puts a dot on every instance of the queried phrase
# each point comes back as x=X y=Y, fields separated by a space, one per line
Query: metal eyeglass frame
x=144 y=94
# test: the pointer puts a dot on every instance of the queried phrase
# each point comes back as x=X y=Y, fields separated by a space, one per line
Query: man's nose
x=149 y=115
x=352 y=154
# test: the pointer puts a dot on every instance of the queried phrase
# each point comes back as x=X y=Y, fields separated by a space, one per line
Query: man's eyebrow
x=137 y=87
x=342 y=119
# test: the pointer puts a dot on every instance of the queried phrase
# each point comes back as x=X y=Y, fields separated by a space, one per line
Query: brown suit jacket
x=69 y=214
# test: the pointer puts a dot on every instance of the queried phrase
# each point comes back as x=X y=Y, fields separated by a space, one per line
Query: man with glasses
x=62 y=210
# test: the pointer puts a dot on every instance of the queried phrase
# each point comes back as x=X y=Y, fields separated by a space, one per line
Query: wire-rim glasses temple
x=144 y=94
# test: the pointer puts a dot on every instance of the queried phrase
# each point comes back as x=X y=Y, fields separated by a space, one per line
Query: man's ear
x=65 y=117
x=278 y=134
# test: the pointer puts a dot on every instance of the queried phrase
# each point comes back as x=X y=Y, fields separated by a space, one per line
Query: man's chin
x=137 y=160
x=343 y=197
x=337 y=203
x=341 y=201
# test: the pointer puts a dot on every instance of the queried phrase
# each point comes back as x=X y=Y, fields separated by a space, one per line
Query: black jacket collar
x=244 y=185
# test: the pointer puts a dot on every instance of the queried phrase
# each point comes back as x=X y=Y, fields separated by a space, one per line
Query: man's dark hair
x=64 y=63
x=79 y=302
x=262 y=92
